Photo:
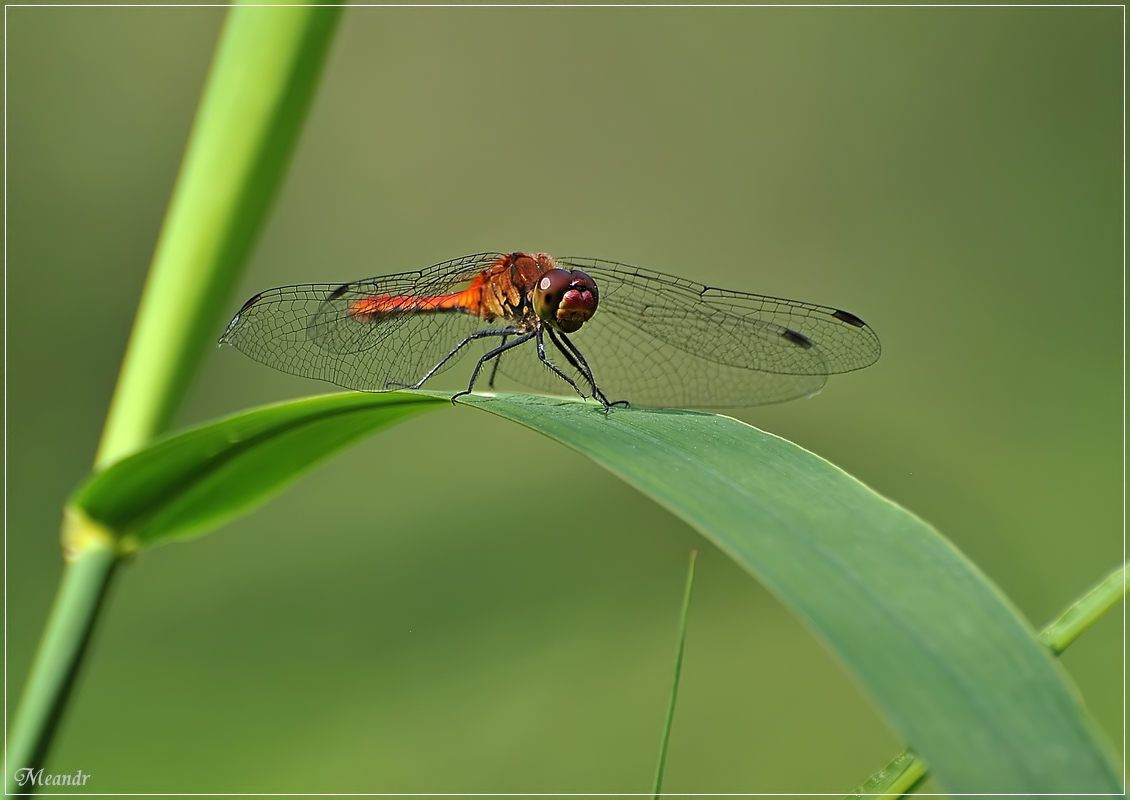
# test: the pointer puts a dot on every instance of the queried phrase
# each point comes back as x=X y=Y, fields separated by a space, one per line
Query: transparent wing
x=661 y=340
x=656 y=339
x=308 y=330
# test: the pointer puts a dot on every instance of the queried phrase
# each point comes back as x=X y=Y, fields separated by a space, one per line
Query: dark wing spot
x=338 y=292
x=796 y=338
x=249 y=303
x=849 y=318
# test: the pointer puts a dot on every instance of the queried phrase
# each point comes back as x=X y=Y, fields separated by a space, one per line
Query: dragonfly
x=617 y=333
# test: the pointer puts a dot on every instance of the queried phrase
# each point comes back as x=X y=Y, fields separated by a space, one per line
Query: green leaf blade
x=956 y=670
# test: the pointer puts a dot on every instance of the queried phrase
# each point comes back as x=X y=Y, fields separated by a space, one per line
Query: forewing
x=308 y=330
x=660 y=340
x=741 y=329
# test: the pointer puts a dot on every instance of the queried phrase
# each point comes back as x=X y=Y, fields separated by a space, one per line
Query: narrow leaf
x=959 y=675
x=187 y=483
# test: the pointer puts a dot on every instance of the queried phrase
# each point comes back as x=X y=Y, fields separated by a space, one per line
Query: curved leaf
x=958 y=673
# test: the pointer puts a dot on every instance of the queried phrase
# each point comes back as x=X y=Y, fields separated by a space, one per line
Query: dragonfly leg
x=494 y=367
x=503 y=332
x=545 y=360
x=495 y=353
x=574 y=356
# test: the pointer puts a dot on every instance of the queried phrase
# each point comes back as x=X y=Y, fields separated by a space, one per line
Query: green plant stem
x=86 y=577
x=1083 y=613
x=906 y=772
x=675 y=684
x=903 y=775
x=263 y=76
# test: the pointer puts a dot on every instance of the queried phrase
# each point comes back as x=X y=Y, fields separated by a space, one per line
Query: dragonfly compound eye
x=566 y=300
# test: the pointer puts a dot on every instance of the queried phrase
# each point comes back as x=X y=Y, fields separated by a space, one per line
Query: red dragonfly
x=657 y=340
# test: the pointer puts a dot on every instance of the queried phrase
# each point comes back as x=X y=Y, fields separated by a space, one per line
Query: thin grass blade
x=675 y=683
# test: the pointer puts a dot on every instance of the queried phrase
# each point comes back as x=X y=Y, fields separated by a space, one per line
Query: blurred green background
x=407 y=618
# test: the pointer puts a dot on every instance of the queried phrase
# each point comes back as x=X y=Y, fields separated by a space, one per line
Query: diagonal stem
x=86 y=578
x=675 y=684
x=263 y=77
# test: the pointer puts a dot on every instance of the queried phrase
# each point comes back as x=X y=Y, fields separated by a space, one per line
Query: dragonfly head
x=565 y=299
